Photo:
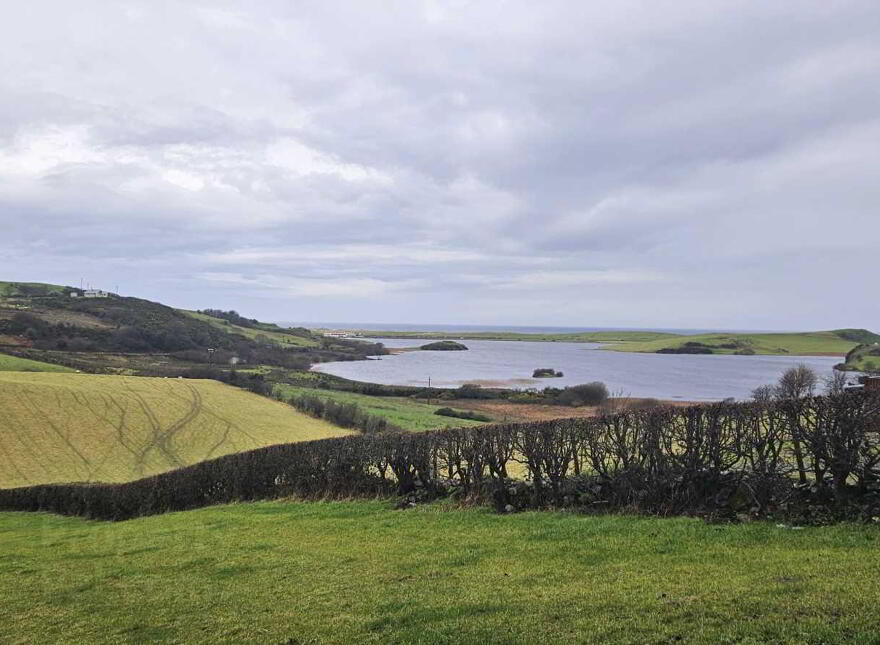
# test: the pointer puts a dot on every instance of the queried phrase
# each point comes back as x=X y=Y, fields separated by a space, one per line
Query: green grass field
x=8 y=289
x=866 y=358
x=86 y=427
x=402 y=412
x=286 y=572
x=796 y=344
x=16 y=364
x=278 y=337
x=833 y=342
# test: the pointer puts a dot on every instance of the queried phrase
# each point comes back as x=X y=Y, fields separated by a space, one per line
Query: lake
x=510 y=364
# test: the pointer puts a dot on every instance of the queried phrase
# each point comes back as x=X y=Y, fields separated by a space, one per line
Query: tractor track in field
x=161 y=438
x=7 y=457
x=158 y=437
x=220 y=442
x=229 y=427
x=25 y=445
x=119 y=424
x=122 y=428
x=115 y=412
x=64 y=436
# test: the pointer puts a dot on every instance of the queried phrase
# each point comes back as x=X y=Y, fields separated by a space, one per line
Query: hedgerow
x=720 y=460
x=346 y=415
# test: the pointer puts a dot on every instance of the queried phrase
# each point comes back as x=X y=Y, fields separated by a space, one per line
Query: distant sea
x=497 y=328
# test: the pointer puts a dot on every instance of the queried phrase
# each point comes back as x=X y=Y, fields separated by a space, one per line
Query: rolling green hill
x=268 y=332
x=30 y=289
x=126 y=335
x=86 y=427
x=863 y=358
x=836 y=343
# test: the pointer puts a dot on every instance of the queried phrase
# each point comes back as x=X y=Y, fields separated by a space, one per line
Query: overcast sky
x=643 y=164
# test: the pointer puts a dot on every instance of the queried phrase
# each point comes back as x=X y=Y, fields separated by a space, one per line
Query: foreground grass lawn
x=278 y=572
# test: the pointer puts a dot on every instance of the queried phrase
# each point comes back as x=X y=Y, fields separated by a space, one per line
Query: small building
x=870 y=383
x=95 y=293
x=866 y=383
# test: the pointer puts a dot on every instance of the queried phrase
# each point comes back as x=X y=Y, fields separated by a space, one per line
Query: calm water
x=510 y=364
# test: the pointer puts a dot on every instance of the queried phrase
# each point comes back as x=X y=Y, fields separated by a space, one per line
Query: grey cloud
x=662 y=164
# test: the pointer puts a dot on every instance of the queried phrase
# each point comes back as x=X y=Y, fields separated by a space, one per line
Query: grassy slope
x=16 y=364
x=13 y=288
x=799 y=344
x=280 y=572
x=402 y=412
x=865 y=358
x=280 y=338
x=85 y=427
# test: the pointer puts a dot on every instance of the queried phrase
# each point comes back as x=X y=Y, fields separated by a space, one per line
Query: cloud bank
x=672 y=164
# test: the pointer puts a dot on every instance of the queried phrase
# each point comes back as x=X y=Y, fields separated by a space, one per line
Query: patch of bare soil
x=16 y=341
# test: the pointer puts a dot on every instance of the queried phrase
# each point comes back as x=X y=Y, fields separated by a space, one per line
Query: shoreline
x=831 y=343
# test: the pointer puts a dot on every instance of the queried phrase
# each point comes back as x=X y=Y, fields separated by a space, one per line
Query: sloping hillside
x=818 y=343
x=863 y=358
x=835 y=342
x=85 y=427
x=131 y=335
x=260 y=331
x=16 y=364
x=30 y=289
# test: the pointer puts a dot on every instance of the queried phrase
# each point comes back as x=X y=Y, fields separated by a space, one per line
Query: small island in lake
x=444 y=346
x=546 y=372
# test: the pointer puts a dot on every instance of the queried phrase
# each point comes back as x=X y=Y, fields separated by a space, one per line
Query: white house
x=95 y=293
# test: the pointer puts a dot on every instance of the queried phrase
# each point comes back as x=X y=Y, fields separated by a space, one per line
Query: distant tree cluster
x=546 y=372
x=345 y=415
x=444 y=346
x=231 y=316
x=799 y=382
x=461 y=414
x=595 y=393
x=250 y=381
